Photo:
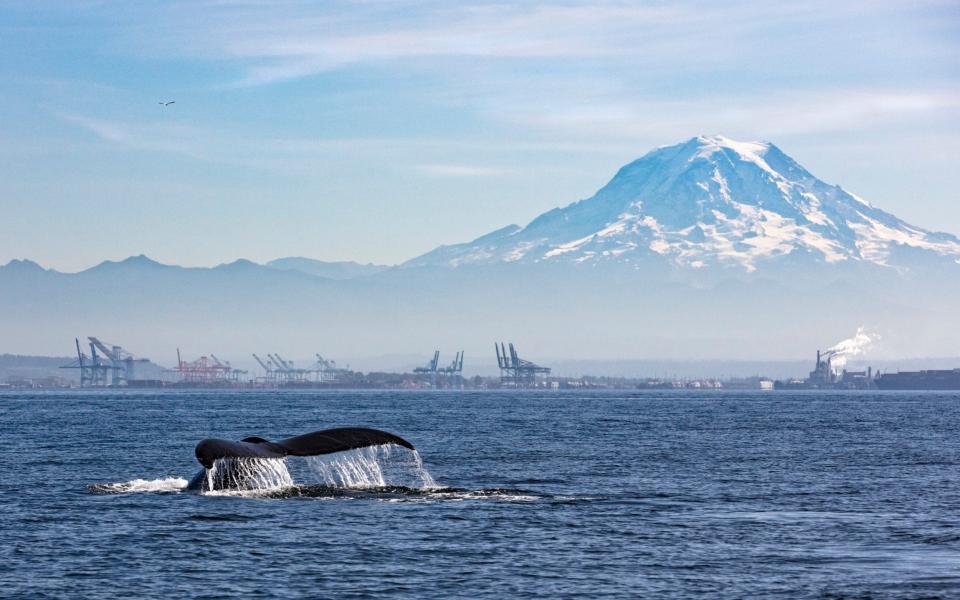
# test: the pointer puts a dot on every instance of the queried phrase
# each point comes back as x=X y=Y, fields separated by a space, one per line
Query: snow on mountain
x=707 y=201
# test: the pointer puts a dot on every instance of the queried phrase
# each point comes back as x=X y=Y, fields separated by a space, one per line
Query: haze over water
x=546 y=493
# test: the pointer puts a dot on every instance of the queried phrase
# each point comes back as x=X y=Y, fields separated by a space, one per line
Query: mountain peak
x=719 y=140
x=748 y=151
x=140 y=261
x=237 y=265
x=24 y=265
x=710 y=200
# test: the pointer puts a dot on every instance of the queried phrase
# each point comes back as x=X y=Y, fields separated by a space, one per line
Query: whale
x=231 y=474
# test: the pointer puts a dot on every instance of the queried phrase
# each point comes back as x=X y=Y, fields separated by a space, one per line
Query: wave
x=164 y=485
x=386 y=493
x=399 y=493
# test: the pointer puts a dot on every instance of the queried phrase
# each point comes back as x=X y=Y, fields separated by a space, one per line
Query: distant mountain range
x=339 y=271
x=708 y=249
x=329 y=270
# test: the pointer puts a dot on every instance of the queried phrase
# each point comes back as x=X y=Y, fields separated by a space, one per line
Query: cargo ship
x=920 y=380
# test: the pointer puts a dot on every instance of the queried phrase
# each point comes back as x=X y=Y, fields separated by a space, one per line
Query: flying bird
x=167 y=103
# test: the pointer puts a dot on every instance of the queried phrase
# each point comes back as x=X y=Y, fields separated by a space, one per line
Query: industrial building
x=825 y=376
x=936 y=379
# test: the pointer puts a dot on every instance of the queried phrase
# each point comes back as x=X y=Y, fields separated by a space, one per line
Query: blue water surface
x=666 y=494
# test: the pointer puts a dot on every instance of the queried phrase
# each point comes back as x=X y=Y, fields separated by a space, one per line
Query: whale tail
x=327 y=441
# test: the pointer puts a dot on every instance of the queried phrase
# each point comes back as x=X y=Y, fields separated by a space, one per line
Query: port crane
x=283 y=371
x=456 y=366
x=431 y=366
x=430 y=369
x=95 y=370
x=452 y=372
x=207 y=371
x=120 y=359
x=278 y=368
x=269 y=374
x=515 y=370
x=112 y=365
x=327 y=369
x=445 y=376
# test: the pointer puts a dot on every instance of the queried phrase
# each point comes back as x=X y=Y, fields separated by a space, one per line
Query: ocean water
x=626 y=494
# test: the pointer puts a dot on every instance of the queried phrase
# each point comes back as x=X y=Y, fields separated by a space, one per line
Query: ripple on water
x=541 y=494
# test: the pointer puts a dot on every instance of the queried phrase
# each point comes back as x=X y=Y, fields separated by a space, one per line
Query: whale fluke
x=327 y=441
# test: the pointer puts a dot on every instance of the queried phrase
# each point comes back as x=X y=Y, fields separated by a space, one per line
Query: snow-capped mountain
x=708 y=201
x=708 y=249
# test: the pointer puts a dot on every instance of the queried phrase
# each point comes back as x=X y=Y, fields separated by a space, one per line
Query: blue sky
x=377 y=130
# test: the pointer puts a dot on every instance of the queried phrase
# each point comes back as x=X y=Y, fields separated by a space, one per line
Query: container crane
x=515 y=370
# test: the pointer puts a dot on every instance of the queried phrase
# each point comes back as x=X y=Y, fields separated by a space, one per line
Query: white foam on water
x=247 y=476
x=446 y=495
x=167 y=484
x=372 y=467
x=498 y=496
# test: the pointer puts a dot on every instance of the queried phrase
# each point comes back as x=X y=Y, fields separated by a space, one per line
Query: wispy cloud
x=299 y=156
x=164 y=137
x=775 y=113
x=105 y=130
x=297 y=44
x=462 y=170
x=273 y=42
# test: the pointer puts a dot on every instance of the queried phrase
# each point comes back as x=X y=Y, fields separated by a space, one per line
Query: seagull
x=167 y=103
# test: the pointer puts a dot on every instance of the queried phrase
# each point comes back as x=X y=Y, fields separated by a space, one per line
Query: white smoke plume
x=854 y=346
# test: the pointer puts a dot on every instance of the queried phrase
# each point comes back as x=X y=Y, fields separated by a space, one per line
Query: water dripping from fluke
x=240 y=476
x=380 y=467
x=372 y=467
x=255 y=464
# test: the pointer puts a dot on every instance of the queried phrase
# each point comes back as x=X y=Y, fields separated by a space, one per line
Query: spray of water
x=425 y=477
x=853 y=346
x=256 y=475
x=373 y=467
